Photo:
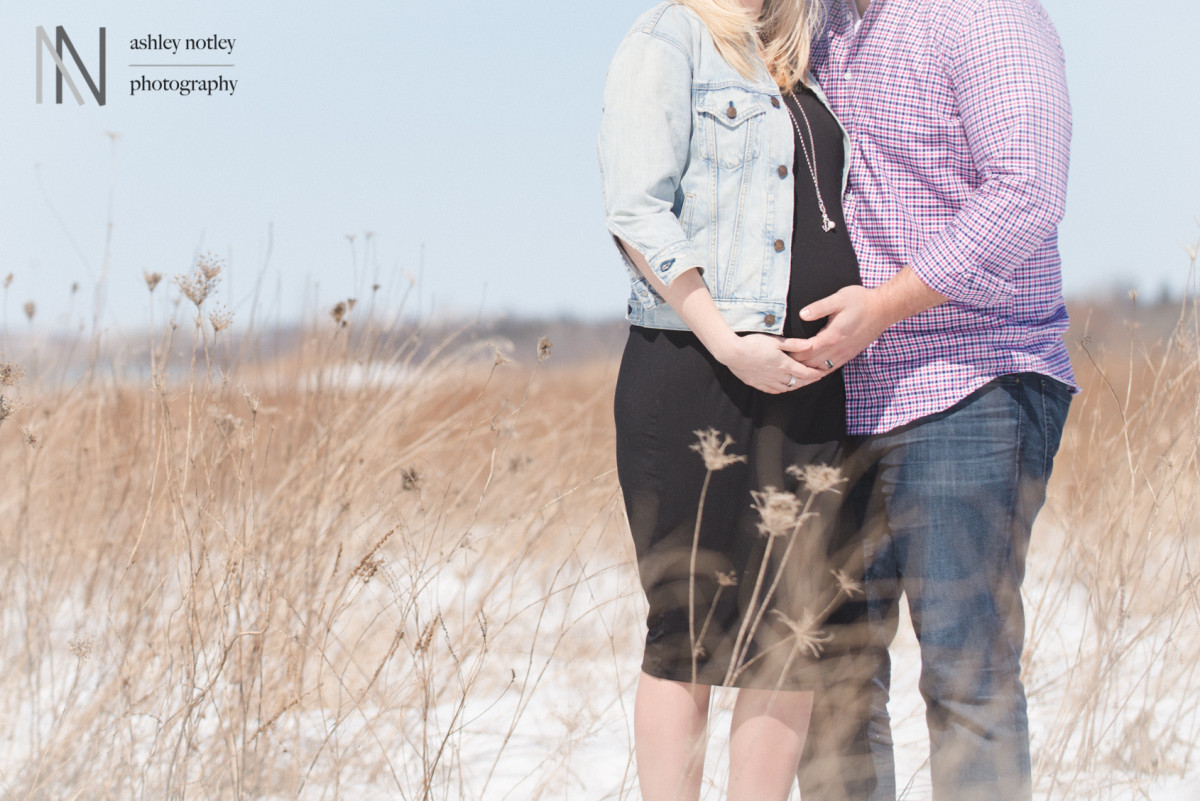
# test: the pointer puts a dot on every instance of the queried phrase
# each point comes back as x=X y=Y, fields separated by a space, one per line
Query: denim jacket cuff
x=673 y=261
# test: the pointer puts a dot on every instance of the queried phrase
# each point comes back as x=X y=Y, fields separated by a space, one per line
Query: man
x=960 y=123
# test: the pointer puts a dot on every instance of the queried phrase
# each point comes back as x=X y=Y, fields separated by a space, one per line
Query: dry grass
x=295 y=579
x=387 y=570
x=1115 y=568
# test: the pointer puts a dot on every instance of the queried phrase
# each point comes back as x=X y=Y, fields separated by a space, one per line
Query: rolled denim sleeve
x=1006 y=65
x=645 y=132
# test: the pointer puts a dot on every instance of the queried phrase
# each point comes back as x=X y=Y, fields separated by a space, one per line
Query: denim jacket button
x=782 y=171
x=775 y=102
x=779 y=246
x=731 y=112
x=769 y=319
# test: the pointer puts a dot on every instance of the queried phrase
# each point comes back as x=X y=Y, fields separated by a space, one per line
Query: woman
x=722 y=170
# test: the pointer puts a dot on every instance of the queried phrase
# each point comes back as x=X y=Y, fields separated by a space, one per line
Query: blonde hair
x=781 y=36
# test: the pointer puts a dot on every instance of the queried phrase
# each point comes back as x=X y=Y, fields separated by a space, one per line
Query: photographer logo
x=55 y=49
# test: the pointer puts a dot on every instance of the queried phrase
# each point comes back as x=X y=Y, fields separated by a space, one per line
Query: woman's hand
x=764 y=361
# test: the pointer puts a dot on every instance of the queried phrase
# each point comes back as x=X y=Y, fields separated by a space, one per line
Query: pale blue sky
x=467 y=128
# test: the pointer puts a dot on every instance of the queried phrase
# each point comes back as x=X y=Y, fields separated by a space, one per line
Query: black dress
x=736 y=622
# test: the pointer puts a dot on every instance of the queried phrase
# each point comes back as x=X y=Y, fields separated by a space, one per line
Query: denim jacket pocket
x=730 y=125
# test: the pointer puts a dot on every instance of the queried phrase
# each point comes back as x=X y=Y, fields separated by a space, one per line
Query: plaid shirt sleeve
x=1010 y=85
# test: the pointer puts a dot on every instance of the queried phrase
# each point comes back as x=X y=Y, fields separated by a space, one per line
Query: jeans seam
x=1047 y=457
x=1014 y=501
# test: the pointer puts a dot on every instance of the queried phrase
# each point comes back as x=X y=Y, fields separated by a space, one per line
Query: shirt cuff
x=946 y=267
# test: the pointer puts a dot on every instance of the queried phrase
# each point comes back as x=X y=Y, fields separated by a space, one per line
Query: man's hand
x=856 y=319
x=857 y=316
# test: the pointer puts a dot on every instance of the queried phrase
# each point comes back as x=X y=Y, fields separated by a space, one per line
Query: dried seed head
x=251 y=399
x=11 y=373
x=341 y=311
x=195 y=291
x=74 y=287
x=210 y=266
x=30 y=309
x=727 y=579
x=818 y=478
x=779 y=512
x=1191 y=251
x=7 y=407
x=410 y=478
x=31 y=437
x=711 y=448
x=152 y=279
x=367 y=568
x=426 y=638
x=221 y=318
x=82 y=648
x=805 y=632
x=846 y=585
x=543 y=349
x=499 y=358
x=370 y=563
x=203 y=280
x=8 y=280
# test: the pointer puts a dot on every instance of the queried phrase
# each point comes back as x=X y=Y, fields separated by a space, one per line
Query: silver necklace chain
x=826 y=223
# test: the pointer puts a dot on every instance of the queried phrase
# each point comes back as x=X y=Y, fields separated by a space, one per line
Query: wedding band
x=791 y=382
x=828 y=364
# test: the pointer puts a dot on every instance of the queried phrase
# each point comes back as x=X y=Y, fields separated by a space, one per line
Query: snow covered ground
x=570 y=736
x=544 y=710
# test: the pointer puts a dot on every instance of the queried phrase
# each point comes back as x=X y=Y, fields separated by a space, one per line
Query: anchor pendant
x=828 y=224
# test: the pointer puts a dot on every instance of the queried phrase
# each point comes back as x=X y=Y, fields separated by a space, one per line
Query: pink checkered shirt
x=961 y=126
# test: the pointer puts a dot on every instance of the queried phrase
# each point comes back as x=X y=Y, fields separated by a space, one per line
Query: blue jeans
x=944 y=509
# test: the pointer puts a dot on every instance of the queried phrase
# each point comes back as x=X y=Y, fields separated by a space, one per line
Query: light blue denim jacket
x=696 y=168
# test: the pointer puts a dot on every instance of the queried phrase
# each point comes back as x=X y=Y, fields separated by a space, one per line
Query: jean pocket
x=1054 y=387
x=730 y=125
